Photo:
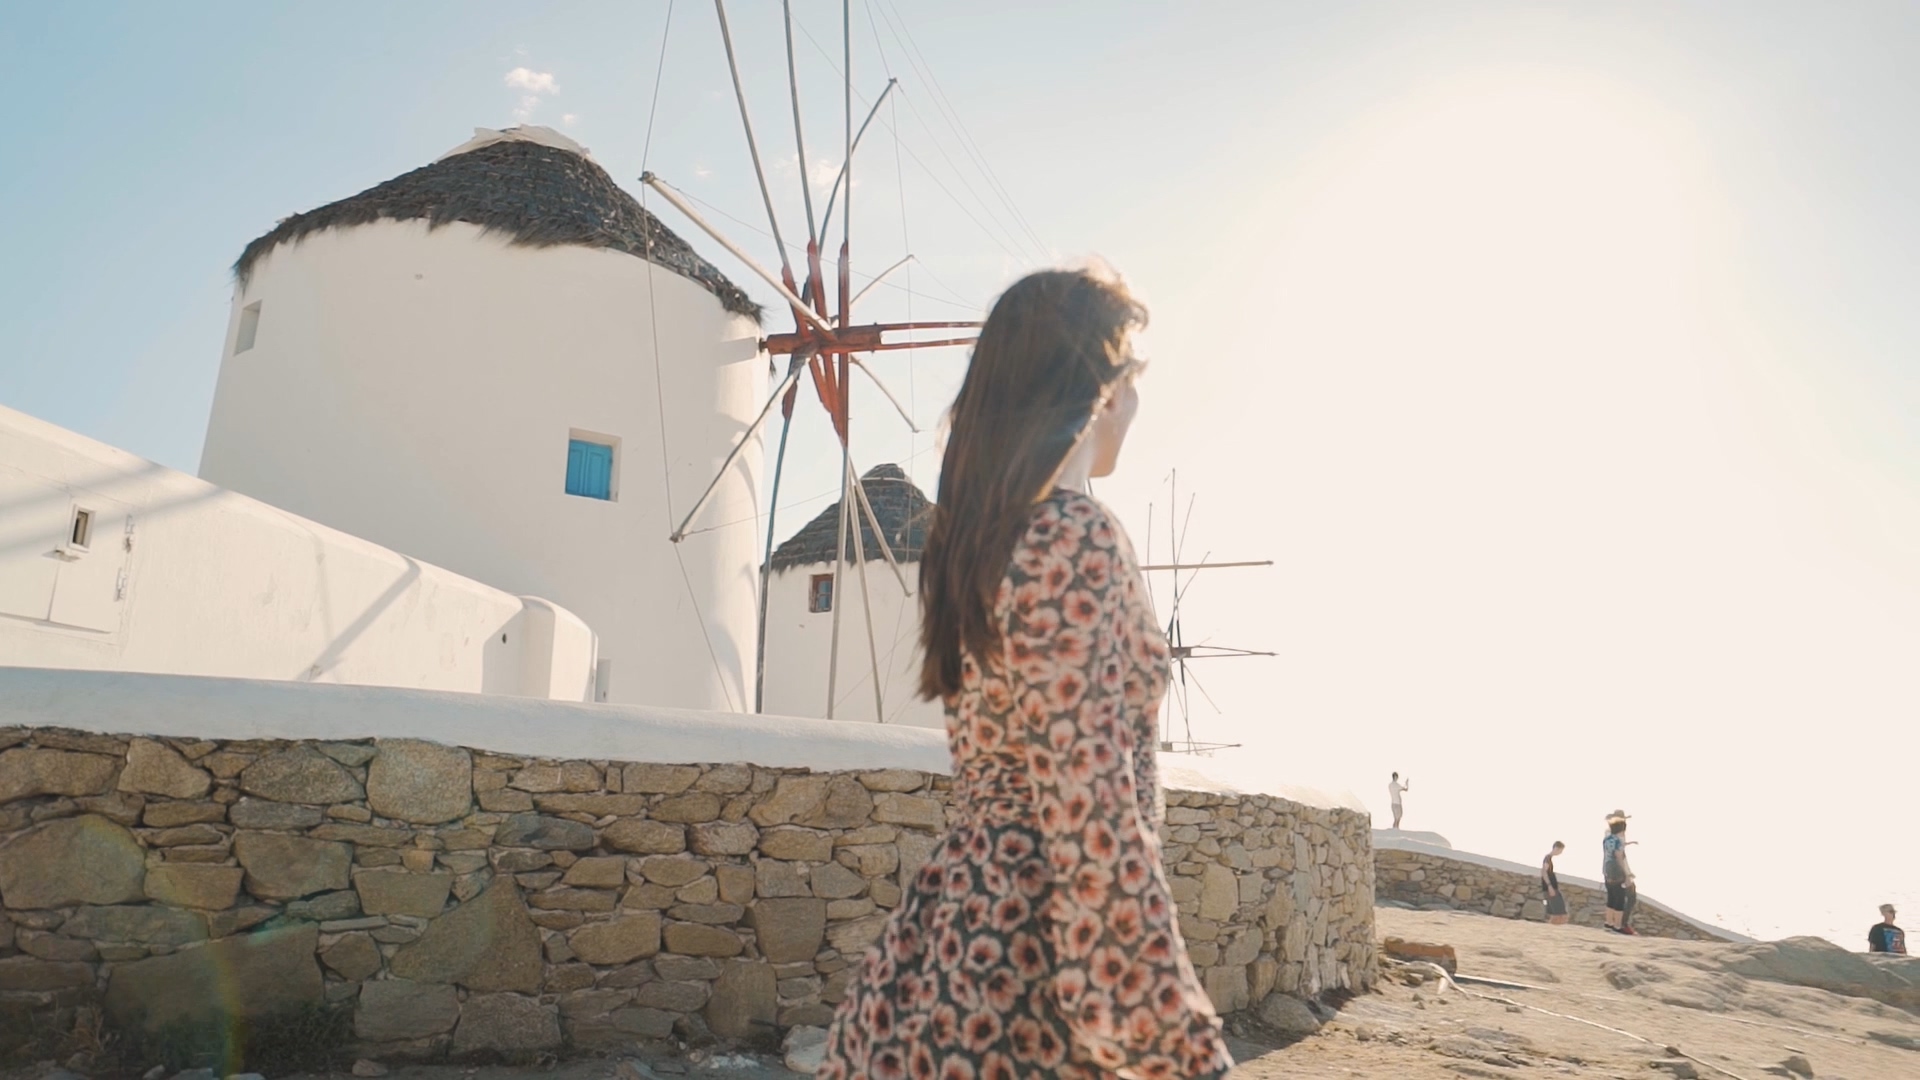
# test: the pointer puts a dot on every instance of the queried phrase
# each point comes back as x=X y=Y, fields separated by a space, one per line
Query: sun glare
x=1531 y=478
x=1530 y=195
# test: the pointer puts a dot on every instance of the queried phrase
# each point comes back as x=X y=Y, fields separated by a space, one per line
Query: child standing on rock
x=1550 y=885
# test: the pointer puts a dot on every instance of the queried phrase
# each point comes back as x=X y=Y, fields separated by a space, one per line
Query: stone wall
x=469 y=903
x=1272 y=894
x=1425 y=879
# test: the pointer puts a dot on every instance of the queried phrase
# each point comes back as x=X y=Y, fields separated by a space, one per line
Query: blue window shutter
x=589 y=469
x=576 y=467
x=599 y=471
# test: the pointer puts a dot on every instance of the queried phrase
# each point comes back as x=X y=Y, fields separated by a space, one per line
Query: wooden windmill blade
x=1215 y=652
x=823 y=344
x=1183 y=681
x=1194 y=746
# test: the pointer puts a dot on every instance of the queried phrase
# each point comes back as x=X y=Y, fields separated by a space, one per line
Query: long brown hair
x=1052 y=346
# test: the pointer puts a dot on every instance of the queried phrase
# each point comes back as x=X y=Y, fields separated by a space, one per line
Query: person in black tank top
x=1550 y=886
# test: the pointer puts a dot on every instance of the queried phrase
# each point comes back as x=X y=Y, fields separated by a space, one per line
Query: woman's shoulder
x=1070 y=535
x=1066 y=520
x=1074 y=505
x=1064 y=497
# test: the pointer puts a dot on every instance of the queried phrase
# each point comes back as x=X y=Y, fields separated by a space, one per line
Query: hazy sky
x=1561 y=355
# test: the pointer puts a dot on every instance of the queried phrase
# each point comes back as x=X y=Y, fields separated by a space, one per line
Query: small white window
x=73 y=543
x=602 y=679
x=249 y=328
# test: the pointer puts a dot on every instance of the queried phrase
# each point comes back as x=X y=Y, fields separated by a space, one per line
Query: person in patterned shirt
x=1886 y=937
x=1039 y=940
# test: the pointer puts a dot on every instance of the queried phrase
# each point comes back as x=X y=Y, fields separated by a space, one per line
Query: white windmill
x=451 y=364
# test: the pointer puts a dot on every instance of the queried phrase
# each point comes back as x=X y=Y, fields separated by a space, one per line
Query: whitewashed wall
x=799 y=644
x=418 y=388
x=195 y=707
x=183 y=577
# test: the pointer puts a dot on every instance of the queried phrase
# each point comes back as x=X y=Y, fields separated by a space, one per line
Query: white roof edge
x=193 y=706
x=28 y=426
x=533 y=133
x=1391 y=843
x=196 y=706
x=1433 y=839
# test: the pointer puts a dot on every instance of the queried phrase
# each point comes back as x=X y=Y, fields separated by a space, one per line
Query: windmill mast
x=1182 y=654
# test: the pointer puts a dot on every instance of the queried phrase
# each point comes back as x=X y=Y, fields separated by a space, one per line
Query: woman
x=1550 y=885
x=1039 y=941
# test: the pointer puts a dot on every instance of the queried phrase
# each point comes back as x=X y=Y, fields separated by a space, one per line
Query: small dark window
x=820 y=593
x=82 y=529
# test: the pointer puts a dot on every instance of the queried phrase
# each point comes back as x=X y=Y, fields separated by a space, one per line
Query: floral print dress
x=1039 y=940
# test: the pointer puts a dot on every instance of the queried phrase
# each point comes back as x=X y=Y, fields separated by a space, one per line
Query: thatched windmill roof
x=904 y=513
x=529 y=188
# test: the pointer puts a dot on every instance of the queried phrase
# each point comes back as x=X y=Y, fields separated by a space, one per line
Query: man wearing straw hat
x=1618 y=876
x=1884 y=936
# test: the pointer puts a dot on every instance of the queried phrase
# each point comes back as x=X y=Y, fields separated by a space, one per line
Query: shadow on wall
x=341 y=642
x=854 y=698
x=524 y=656
x=722 y=648
x=731 y=667
x=55 y=495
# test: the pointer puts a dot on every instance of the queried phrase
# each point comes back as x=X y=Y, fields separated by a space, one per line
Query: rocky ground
x=1714 y=1002
x=1724 y=1006
x=1698 y=1009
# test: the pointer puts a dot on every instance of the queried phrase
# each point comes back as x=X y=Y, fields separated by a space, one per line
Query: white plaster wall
x=559 y=657
x=208 y=582
x=418 y=388
x=799 y=645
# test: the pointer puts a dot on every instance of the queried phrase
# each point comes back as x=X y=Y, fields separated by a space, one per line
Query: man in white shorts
x=1394 y=789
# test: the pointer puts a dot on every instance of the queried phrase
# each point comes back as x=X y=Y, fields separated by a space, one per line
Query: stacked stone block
x=1272 y=895
x=469 y=903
